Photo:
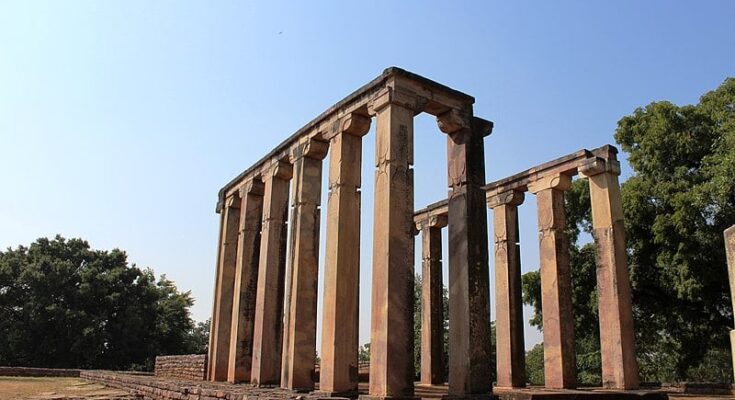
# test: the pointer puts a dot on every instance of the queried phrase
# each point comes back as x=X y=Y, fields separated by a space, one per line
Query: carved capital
x=352 y=124
x=309 y=148
x=453 y=121
x=396 y=96
x=253 y=187
x=482 y=126
x=431 y=221
x=233 y=201
x=597 y=165
x=556 y=182
x=510 y=198
x=278 y=169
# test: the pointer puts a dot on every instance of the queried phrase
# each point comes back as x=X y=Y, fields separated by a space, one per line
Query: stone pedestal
x=224 y=287
x=268 y=332
x=246 y=282
x=299 y=348
x=560 y=370
x=510 y=349
x=339 y=363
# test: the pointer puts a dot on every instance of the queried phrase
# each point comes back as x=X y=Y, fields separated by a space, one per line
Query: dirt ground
x=56 y=388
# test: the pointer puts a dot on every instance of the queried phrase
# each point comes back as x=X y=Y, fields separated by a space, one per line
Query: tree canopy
x=65 y=305
x=677 y=204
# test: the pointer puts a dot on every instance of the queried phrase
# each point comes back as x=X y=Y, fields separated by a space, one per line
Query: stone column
x=268 y=331
x=432 y=307
x=224 y=286
x=338 y=370
x=391 y=339
x=209 y=375
x=246 y=282
x=730 y=250
x=299 y=345
x=560 y=367
x=510 y=349
x=617 y=341
x=469 y=292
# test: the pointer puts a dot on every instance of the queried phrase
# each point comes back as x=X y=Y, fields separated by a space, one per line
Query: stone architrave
x=246 y=282
x=224 y=287
x=556 y=286
x=268 y=331
x=432 y=298
x=469 y=292
x=299 y=346
x=391 y=338
x=340 y=323
x=730 y=250
x=510 y=349
x=617 y=343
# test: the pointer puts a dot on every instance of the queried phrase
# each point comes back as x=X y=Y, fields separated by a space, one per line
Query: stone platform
x=151 y=387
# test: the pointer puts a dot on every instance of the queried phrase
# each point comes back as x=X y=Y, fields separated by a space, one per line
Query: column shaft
x=432 y=315
x=510 y=350
x=469 y=291
x=299 y=348
x=617 y=342
x=391 y=344
x=338 y=369
x=246 y=282
x=224 y=287
x=556 y=291
x=268 y=331
x=730 y=252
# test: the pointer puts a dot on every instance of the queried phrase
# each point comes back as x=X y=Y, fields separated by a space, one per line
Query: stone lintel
x=557 y=181
x=396 y=96
x=510 y=198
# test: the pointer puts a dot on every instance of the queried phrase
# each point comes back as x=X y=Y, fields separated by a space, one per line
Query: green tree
x=63 y=304
x=678 y=202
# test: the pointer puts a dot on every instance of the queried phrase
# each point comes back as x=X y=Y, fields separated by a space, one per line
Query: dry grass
x=55 y=388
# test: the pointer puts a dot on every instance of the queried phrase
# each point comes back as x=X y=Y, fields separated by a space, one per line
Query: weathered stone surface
x=432 y=315
x=617 y=342
x=730 y=250
x=299 y=346
x=268 y=331
x=339 y=367
x=246 y=282
x=556 y=291
x=189 y=367
x=224 y=289
x=469 y=291
x=510 y=349
x=391 y=339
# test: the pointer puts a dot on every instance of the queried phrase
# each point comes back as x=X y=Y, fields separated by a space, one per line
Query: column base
x=373 y=397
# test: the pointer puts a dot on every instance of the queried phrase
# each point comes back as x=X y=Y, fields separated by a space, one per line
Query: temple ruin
x=265 y=306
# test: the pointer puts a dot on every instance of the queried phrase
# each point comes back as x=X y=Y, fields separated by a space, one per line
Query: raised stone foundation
x=37 y=372
x=188 y=367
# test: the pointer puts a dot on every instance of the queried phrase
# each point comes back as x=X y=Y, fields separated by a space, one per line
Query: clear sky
x=119 y=121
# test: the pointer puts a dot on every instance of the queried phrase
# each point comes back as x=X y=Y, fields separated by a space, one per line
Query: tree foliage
x=676 y=205
x=65 y=305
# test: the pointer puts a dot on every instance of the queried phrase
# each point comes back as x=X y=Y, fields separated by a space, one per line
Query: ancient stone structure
x=730 y=251
x=191 y=367
x=264 y=313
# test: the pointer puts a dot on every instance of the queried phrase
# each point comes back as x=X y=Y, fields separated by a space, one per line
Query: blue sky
x=119 y=121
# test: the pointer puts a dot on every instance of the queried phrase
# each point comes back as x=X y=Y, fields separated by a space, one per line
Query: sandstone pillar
x=510 y=349
x=469 y=292
x=556 y=287
x=730 y=250
x=391 y=339
x=224 y=286
x=246 y=281
x=617 y=342
x=299 y=345
x=268 y=331
x=432 y=307
x=338 y=369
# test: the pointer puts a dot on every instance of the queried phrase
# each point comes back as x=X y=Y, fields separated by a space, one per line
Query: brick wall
x=189 y=367
x=26 y=371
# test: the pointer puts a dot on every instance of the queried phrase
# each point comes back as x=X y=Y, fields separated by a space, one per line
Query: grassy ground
x=55 y=388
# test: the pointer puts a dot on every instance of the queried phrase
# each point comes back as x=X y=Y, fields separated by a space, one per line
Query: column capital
x=432 y=221
x=597 y=165
x=509 y=198
x=557 y=181
x=351 y=124
x=253 y=186
x=309 y=148
x=277 y=169
x=456 y=120
x=396 y=96
x=233 y=201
